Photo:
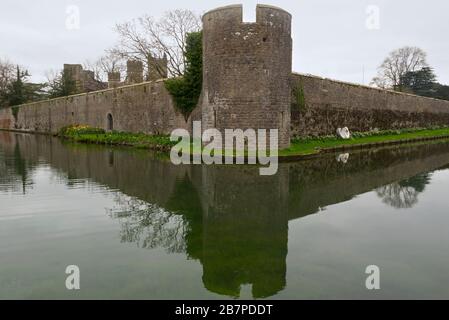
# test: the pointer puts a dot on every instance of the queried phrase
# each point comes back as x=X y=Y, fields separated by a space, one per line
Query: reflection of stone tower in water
x=245 y=230
x=237 y=231
x=246 y=70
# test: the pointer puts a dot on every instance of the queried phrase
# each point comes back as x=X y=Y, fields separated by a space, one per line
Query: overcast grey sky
x=331 y=38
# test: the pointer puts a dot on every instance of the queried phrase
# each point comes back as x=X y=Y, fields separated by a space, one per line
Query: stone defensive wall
x=328 y=104
x=6 y=119
x=148 y=108
x=145 y=107
x=247 y=83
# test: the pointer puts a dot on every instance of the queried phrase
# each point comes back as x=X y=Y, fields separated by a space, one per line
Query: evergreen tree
x=62 y=86
x=421 y=82
x=16 y=92
x=186 y=90
x=442 y=92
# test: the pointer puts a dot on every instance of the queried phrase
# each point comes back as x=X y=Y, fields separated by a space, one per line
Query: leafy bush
x=187 y=89
x=79 y=130
x=15 y=112
x=86 y=134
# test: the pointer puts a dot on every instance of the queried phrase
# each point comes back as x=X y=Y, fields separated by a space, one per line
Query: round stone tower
x=246 y=70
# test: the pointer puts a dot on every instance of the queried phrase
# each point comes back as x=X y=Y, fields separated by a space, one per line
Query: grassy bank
x=299 y=147
x=308 y=146
x=84 y=134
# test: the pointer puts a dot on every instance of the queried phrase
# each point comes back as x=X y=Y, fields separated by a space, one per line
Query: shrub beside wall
x=187 y=89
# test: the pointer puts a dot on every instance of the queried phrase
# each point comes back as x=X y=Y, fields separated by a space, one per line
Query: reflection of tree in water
x=148 y=225
x=237 y=242
x=404 y=194
x=177 y=228
x=14 y=172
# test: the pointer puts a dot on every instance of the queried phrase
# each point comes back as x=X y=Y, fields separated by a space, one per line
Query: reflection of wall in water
x=15 y=170
x=232 y=220
x=305 y=186
x=324 y=181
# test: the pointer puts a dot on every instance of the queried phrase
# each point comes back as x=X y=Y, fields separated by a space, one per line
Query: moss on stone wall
x=299 y=100
x=15 y=112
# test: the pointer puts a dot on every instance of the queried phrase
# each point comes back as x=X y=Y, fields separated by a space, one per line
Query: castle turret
x=157 y=68
x=113 y=80
x=246 y=70
x=84 y=80
x=75 y=73
x=134 y=72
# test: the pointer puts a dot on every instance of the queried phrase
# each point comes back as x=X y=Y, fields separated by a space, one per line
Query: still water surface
x=141 y=228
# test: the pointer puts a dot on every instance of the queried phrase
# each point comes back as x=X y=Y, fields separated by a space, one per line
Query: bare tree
x=398 y=196
x=397 y=64
x=7 y=73
x=148 y=225
x=94 y=66
x=52 y=76
x=147 y=38
x=110 y=62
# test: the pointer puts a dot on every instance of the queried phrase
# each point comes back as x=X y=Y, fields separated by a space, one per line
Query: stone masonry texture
x=246 y=70
x=146 y=108
x=330 y=104
x=247 y=83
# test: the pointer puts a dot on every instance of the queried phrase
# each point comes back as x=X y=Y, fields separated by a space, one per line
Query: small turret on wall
x=134 y=72
x=74 y=71
x=157 y=68
x=113 y=80
x=90 y=82
x=84 y=80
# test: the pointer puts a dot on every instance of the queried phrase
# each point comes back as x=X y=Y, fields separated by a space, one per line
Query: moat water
x=139 y=227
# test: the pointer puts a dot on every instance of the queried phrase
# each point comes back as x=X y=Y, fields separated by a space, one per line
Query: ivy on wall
x=186 y=90
x=15 y=112
x=299 y=100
